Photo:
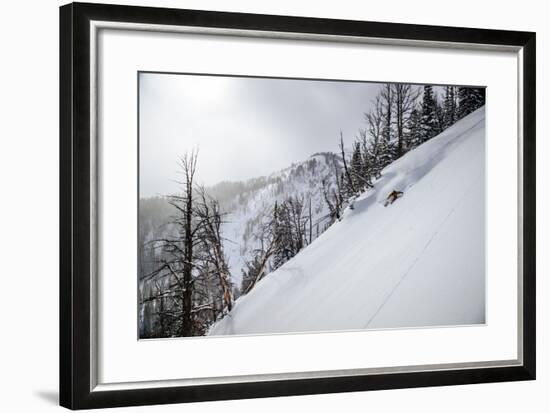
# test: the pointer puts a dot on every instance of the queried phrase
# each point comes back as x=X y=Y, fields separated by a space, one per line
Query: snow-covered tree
x=478 y=97
x=469 y=99
x=348 y=182
x=386 y=101
x=360 y=170
x=429 y=125
x=333 y=195
x=289 y=226
x=258 y=265
x=449 y=107
x=414 y=137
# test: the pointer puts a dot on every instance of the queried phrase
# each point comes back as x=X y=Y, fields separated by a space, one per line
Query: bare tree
x=257 y=266
x=180 y=249
x=192 y=279
x=406 y=96
x=209 y=235
x=387 y=99
x=373 y=147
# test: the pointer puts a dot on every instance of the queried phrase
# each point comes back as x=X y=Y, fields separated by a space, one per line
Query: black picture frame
x=75 y=196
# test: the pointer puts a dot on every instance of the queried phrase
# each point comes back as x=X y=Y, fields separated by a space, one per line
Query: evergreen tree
x=358 y=170
x=449 y=107
x=464 y=102
x=470 y=99
x=348 y=182
x=440 y=116
x=285 y=248
x=386 y=101
x=415 y=131
x=369 y=166
x=289 y=223
x=387 y=153
x=477 y=97
x=333 y=194
x=279 y=254
x=429 y=126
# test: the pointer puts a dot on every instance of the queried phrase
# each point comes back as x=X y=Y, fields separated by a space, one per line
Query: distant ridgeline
x=204 y=247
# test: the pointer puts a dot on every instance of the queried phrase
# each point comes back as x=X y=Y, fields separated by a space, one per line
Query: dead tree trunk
x=212 y=243
x=405 y=100
x=188 y=164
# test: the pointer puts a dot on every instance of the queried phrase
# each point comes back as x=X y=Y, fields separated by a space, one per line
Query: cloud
x=243 y=127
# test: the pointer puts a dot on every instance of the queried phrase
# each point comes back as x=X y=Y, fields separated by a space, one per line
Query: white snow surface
x=416 y=263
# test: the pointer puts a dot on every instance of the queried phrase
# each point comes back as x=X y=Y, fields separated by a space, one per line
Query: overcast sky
x=243 y=127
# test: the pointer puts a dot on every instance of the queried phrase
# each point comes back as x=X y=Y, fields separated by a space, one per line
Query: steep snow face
x=417 y=262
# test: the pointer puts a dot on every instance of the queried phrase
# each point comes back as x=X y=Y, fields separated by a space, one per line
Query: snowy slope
x=417 y=262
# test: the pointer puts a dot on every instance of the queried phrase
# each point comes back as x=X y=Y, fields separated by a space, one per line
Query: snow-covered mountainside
x=247 y=205
x=250 y=209
x=417 y=262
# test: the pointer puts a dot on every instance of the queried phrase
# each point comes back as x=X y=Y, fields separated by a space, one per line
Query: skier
x=392 y=197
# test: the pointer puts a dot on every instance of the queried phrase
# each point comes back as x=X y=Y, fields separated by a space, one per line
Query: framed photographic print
x=258 y=205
